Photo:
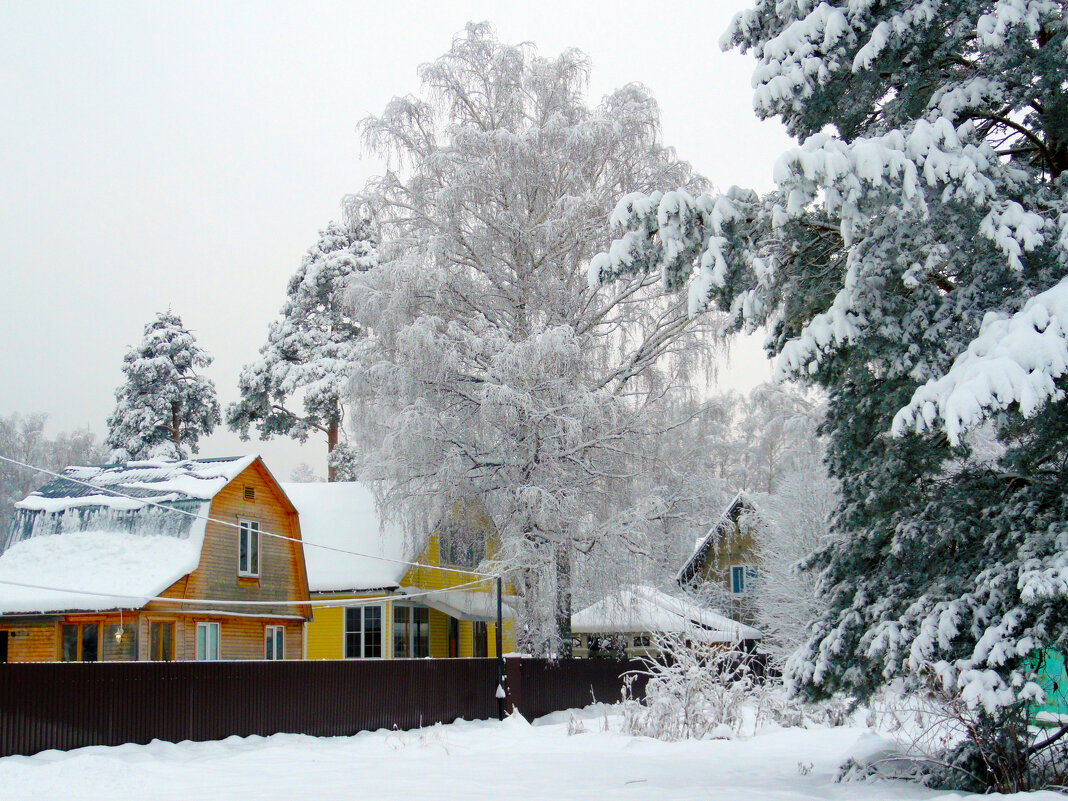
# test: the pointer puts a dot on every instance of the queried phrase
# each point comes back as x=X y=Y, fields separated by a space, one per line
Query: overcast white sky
x=186 y=154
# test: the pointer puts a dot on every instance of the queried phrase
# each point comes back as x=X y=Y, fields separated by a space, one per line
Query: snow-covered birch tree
x=492 y=370
x=309 y=349
x=164 y=406
x=912 y=262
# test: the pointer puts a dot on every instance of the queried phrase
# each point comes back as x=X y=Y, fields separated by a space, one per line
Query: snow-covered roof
x=643 y=609
x=342 y=515
x=156 y=481
x=135 y=566
x=74 y=534
x=740 y=502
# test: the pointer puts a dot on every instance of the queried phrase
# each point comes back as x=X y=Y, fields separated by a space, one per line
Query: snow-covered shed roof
x=77 y=536
x=644 y=609
x=342 y=515
x=740 y=503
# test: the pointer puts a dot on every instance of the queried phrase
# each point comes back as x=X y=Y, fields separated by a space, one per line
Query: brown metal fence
x=64 y=706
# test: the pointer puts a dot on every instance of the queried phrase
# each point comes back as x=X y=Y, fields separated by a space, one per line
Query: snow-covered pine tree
x=309 y=350
x=163 y=407
x=912 y=262
x=492 y=372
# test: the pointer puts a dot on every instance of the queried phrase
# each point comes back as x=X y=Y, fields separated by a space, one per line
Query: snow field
x=470 y=760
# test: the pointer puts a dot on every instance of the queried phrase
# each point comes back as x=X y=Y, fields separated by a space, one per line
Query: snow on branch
x=1014 y=359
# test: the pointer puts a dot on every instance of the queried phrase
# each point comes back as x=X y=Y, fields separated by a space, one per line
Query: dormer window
x=248 y=548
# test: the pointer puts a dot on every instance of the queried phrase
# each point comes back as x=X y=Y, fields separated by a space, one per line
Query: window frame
x=742 y=577
x=207 y=626
x=79 y=643
x=154 y=654
x=363 y=610
x=245 y=528
x=410 y=630
x=276 y=636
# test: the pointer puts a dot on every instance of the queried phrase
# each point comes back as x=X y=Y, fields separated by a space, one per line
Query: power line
x=313 y=602
x=195 y=516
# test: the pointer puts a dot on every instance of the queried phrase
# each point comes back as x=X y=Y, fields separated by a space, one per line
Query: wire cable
x=313 y=602
x=195 y=516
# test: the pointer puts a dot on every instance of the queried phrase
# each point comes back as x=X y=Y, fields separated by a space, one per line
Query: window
x=363 y=632
x=248 y=548
x=207 y=641
x=742 y=578
x=80 y=642
x=411 y=631
x=461 y=544
x=274 y=642
x=161 y=641
x=642 y=641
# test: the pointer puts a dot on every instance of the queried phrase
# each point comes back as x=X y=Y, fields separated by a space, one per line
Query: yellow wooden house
x=154 y=561
x=376 y=605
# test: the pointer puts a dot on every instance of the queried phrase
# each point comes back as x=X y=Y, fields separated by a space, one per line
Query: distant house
x=627 y=623
x=725 y=557
x=86 y=575
x=372 y=617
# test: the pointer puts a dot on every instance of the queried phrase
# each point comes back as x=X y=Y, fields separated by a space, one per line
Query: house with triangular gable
x=724 y=561
x=154 y=560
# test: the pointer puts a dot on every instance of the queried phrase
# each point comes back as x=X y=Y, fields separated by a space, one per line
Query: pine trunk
x=331 y=443
x=176 y=433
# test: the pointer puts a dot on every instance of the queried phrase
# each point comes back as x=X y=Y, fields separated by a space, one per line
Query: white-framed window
x=248 y=548
x=274 y=642
x=207 y=641
x=743 y=577
x=363 y=632
x=411 y=631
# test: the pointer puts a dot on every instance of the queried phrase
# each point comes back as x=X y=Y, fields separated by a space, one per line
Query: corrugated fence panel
x=65 y=706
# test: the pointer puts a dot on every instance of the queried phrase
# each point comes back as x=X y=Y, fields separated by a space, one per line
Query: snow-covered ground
x=491 y=760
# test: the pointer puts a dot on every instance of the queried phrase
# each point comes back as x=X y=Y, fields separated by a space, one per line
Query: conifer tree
x=164 y=406
x=308 y=353
x=912 y=262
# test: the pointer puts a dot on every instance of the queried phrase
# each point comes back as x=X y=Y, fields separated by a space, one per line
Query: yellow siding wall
x=325 y=633
x=32 y=641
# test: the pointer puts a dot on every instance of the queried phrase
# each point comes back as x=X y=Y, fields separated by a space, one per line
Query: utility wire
x=195 y=516
x=313 y=602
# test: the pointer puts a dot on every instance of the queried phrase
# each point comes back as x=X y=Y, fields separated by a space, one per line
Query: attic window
x=250 y=493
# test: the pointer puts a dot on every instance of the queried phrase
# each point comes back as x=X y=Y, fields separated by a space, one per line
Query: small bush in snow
x=692 y=693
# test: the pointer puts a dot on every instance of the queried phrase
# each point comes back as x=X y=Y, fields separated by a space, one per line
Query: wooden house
x=724 y=563
x=376 y=605
x=154 y=561
x=628 y=622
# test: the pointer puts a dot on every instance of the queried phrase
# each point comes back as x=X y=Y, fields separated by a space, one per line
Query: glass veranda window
x=411 y=631
x=363 y=632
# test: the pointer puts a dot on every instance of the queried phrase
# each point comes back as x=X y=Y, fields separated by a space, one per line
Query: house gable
x=252 y=495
